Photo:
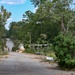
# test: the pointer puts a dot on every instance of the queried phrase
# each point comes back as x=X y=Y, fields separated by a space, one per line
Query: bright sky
x=17 y=8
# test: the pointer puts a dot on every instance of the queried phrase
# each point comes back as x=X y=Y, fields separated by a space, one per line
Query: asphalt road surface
x=23 y=64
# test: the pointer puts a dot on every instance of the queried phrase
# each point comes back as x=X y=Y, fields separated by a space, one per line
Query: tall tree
x=54 y=16
x=37 y=2
x=4 y=15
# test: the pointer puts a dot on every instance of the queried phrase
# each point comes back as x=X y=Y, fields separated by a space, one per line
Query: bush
x=5 y=53
x=14 y=49
x=29 y=51
x=64 y=48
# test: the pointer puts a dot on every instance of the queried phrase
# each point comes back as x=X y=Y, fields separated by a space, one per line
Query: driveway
x=26 y=64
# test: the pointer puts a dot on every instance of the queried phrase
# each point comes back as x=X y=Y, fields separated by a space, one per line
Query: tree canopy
x=51 y=17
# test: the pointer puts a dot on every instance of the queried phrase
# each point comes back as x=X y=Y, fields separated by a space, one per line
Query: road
x=9 y=44
x=24 y=64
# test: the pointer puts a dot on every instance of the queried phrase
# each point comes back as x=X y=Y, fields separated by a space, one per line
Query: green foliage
x=38 y=2
x=4 y=52
x=14 y=48
x=64 y=48
x=4 y=15
x=16 y=44
x=29 y=51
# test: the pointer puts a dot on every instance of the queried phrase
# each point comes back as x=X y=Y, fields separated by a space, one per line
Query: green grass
x=29 y=51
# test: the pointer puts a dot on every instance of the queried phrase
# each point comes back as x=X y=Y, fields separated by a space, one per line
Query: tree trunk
x=62 y=26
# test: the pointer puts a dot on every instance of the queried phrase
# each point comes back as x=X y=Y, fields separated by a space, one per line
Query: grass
x=29 y=51
x=42 y=52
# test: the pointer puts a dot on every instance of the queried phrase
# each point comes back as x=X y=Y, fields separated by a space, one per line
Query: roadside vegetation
x=4 y=15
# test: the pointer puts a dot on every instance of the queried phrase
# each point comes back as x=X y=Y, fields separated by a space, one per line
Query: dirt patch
x=34 y=56
x=41 y=59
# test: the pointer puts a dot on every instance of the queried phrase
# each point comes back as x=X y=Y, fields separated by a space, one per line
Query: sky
x=17 y=8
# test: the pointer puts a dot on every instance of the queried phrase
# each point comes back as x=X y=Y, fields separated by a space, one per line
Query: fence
x=38 y=46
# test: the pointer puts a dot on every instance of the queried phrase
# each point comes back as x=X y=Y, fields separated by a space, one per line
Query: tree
x=4 y=15
x=16 y=30
x=38 y=2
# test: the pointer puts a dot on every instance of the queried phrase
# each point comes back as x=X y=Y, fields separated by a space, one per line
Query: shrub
x=14 y=49
x=5 y=53
x=64 y=48
x=29 y=51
